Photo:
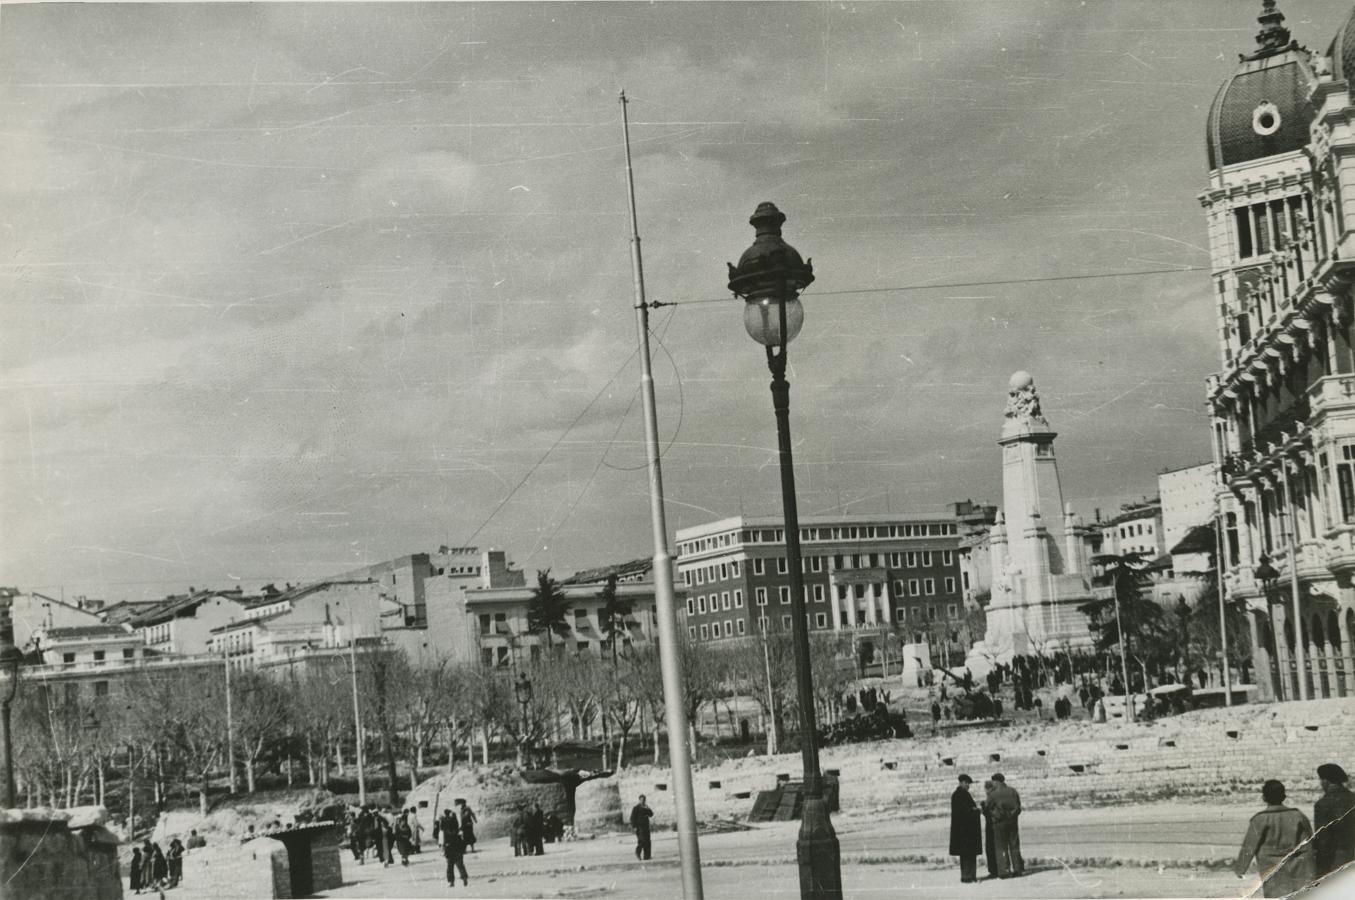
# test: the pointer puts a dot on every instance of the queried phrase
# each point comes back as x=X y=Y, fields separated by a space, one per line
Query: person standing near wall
x=640 y=815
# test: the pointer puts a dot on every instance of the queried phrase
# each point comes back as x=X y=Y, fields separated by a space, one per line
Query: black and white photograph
x=761 y=449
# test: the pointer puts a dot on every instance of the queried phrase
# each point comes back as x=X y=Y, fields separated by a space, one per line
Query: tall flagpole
x=670 y=659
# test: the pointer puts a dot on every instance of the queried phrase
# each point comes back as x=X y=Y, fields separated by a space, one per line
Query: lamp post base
x=817 y=853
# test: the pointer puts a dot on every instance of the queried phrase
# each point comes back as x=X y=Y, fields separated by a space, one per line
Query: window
x=947 y=557
x=687 y=577
x=929 y=586
x=734 y=568
x=741 y=626
x=705 y=632
x=1345 y=479
x=931 y=614
x=710 y=573
x=68 y=659
x=724 y=600
x=896 y=559
x=785 y=622
x=785 y=594
x=738 y=599
x=910 y=559
x=761 y=596
x=691 y=606
x=816 y=563
x=900 y=615
x=950 y=585
x=964 y=579
x=715 y=629
x=913 y=590
x=485 y=620
x=128 y=653
x=926 y=558
x=837 y=561
x=701 y=604
x=898 y=589
x=820 y=620
x=781 y=567
x=818 y=593
x=701 y=576
x=950 y=611
x=724 y=569
x=757 y=567
x=729 y=628
x=99 y=657
x=691 y=631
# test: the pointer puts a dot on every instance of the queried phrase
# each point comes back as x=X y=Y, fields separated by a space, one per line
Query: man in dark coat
x=989 y=835
x=966 y=838
x=1333 y=821
x=640 y=815
x=453 y=847
x=518 y=831
x=536 y=829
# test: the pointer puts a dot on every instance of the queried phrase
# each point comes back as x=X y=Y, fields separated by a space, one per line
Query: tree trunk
x=388 y=748
x=338 y=757
x=202 y=798
x=621 y=752
x=102 y=784
x=249 y=774
x=484 y=745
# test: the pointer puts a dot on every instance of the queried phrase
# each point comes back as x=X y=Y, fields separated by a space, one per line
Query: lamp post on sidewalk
x=769 y=278
x=522 y=690
x=10 y=659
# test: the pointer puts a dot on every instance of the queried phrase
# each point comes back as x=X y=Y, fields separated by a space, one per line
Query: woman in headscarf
x=135 y=865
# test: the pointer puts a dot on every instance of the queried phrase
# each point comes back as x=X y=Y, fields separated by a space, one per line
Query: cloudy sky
x=293 y=287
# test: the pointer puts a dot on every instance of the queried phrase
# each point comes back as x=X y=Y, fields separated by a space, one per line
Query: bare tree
x=262 y=715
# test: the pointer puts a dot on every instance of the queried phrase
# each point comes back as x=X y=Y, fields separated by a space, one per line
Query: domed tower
x=1280 y=145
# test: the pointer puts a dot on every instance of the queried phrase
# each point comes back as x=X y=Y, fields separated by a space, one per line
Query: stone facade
x=58 y=854
x=1282 y=244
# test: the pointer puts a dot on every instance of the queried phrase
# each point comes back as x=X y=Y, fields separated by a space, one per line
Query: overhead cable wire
x=964 y=284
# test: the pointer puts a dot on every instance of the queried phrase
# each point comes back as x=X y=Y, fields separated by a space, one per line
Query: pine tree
x=548 y=608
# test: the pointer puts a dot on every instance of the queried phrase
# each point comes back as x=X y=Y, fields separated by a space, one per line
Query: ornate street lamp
x=10 y=659
x=1268 y=575
x=769 y=278
x=522 y=690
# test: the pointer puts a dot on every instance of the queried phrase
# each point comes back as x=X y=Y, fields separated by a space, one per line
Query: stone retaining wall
x=50 y=854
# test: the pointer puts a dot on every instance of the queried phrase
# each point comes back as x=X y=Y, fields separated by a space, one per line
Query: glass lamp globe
x=762 y=320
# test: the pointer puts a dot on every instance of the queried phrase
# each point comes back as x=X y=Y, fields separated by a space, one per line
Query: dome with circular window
x=1262 y=109
x=1342 y=50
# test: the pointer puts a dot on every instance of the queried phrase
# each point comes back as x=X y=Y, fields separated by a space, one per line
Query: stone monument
x=1040 y=572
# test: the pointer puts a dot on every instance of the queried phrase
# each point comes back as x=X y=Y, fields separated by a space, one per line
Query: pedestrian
x=640 y=814
x=147 y=866
x=936 y=715
x=518 y=832
x=966 y=841
x=415 y=829
x=1334 y=819
x=195 y=840
x=989 y=838
x=453 y=848
x=468 y=820
x=1278 y=837
x=1006 y=803
x=536 y=829
x=404 y=838
x=159 y=866
x=175 y=859
x=134 y=880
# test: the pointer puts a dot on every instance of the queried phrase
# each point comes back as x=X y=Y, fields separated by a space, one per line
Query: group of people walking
x=532 y=828
x=154 y=869
x=990 y=827
x=386 y=832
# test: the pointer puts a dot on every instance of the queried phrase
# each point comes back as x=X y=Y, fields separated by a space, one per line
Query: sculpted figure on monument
x=1023 y=404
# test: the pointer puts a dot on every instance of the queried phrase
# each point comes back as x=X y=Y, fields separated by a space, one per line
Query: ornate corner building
x=1281 y=220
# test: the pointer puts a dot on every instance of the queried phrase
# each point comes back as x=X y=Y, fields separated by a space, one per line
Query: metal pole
x=670 y=659
x=816 y=849
x=10 y=800
x=230 y=725
x=1300 y=651
x=357 y=717
x=774 y=744
x=1124 y=659
x=1223 y=615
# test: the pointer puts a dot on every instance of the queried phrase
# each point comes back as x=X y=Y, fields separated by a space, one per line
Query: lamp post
x=10 y=659
x=522 y=690
x=769 y=278
x=1268 y=575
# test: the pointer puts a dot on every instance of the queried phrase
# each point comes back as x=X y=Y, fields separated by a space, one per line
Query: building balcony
x=1331 y=393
